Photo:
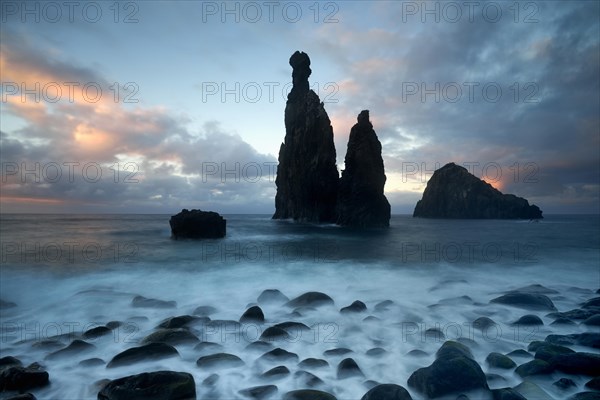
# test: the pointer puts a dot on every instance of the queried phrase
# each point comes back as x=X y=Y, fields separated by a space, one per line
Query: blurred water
x=70 y=273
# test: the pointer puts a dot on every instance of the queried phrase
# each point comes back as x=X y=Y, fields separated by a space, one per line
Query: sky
x=151 y=106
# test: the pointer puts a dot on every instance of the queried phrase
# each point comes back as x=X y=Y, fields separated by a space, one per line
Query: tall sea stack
x=361 y=202
x=307 y=176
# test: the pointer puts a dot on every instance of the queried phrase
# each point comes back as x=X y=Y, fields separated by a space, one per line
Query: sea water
x=70 y=273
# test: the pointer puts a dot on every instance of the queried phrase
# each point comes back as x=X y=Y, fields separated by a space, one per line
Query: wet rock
x=497 y=360
x=259 y=345
x=23 y=378
x=564 y=383
x=308 y=379
x=383 y=305
x=171 y=336
x=528 y=301
x=208 y=347
x=520 y=353
x=308 y=394
x=293 y=328
x=340 y=351
x=587 y=339
x=279 y=372
x=507 y=394
x=483 y=323
x=387 y=392
x=177 y=322
x=148 y=352
x=272 y=296
x=594 y=320
x=279 y=355
x=92 y=362
x=534 y=367
x=274 y=333
x=24 y=396
x=546 y=351
x=259 y=392
x=197 y=224
x=159 y=385
x=211 y=380
x=577 y=363
x=594 y=383
x=576 y=314
x=585 y=396
x=6 y=304
x=348 y=368
x=361 y=201
x=76 y=347
x=144 y=302
x=219 y=360
x=417 y=353
x=595 y=302
x=313 y=363
x=562 y=321
x=530 y=390
x=376 y=352
x=204 y=311
x=529 y=320
x=434 y=334
x=310 y=299
x=452 y=192
x=355 y=307
x=253 y=314
x=97 y=332
x=454 y=370
x=307 y=176
x=9 y=361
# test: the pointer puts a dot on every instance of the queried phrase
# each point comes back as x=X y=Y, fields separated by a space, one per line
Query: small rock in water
x=530 y=390
x=25 y=396
x=208 y=347
x=348 y=368
x=211 y=380
x=279 y=372
x=259 y=392
x=76 y=347
x=144 y=302
x=529 y=320
x=219 y=360
x=253 y=314
x=534 y=367
x=507 y=394
x=562 y=321
x=308 y=379
x=259 y=345
x=23 y=378
x=159 y=385
x=387 y=392
x=593 y=383
x=595 y=302
x=92 y=362
x=453 y=371
x=204 y=311
x=279 y=355
x=340 y=351
x=585 y=396
x=272 y=296
x=197 y=224
x=171 y=336
x=9 y=361
x=520 y=353
x=148 y=352
x=577 y=363
x=536 y=288
x=356 y=307
x=6 y=304
x=530 y=301
x=177 y=322
x=97 y=332
x=417 y=353
x=376 y=352
x=483 y=323
x=498 y=360
x=383 y=306
x=308 y=394
x=313 y=363
x=273 y=333
x=594 y=320
x=310 y=299
x=564 y=383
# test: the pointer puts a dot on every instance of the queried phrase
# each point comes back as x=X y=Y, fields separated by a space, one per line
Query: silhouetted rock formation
x=307 y=176
x=361 y=202
x=452 y=192
x=197 y=224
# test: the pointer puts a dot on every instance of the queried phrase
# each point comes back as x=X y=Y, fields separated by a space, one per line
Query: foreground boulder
x=307 y=176
x=452 y=192
x=197 y=224
x=453 y=371
x=160 y=385
x=387 y=392
x=23 y=378
x=361 y=202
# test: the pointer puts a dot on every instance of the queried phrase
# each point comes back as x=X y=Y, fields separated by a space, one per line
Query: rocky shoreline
x=275 y=340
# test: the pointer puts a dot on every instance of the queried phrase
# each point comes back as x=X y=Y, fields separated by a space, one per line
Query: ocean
x=62 y=275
